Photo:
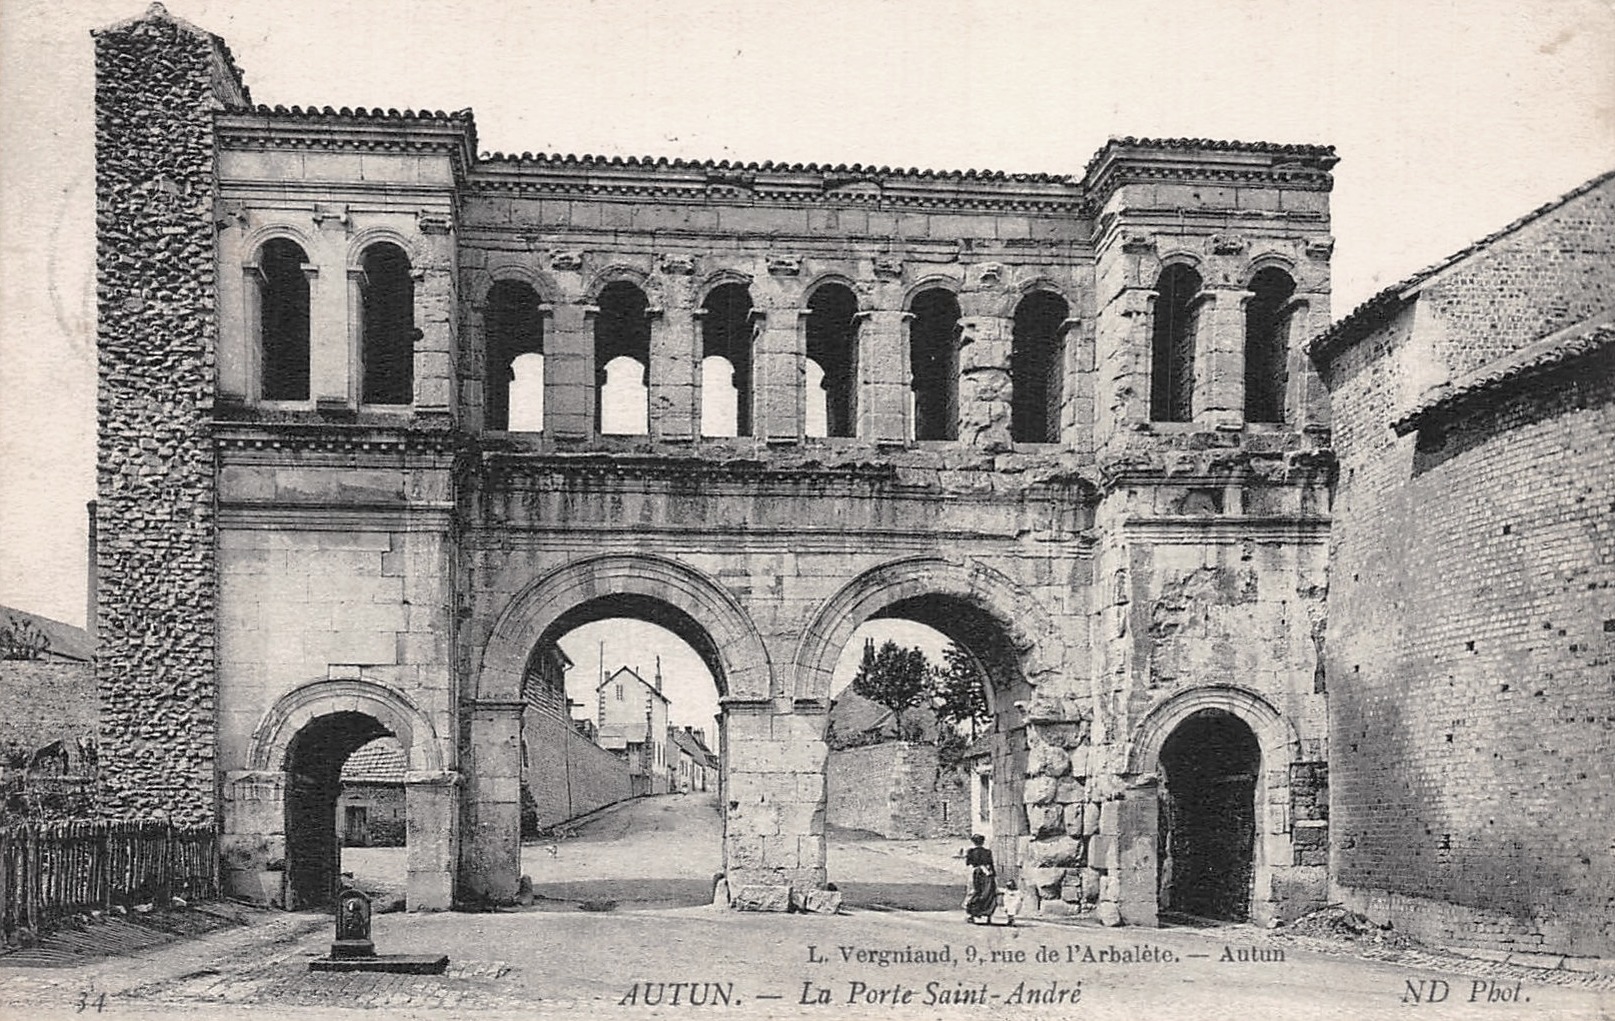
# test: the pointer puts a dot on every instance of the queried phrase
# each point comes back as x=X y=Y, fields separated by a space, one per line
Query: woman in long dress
x=981 y=897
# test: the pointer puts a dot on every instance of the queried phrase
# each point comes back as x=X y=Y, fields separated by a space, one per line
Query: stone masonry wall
x=896 y=789
x=567 y=774
x=1471 y=616
x=1470 y=629
x=157 y=83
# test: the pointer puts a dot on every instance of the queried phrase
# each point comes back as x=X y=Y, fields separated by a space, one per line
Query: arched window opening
x=1037 y=367
x=726 y=338
x=526 y=394
x=1267 y=345
x=622 y=358
x=283 y=321
x=624 y=407
x=816 y=410
x=515 y=374
x=933 y=349
x=832 y=348
x=718 y=403
x=1176 y=322
x=388 y=349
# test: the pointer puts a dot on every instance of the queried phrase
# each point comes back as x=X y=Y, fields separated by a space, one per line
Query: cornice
x=453 y=135
x=762 y=184
x=237 y=438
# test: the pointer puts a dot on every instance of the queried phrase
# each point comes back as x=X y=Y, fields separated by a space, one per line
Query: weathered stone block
x=1055 y=852
x=760 y=897
x=822 y=902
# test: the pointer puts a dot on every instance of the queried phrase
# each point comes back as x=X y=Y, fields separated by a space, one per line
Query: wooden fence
x=52 y=869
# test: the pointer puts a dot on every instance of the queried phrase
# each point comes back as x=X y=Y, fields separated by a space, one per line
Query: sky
x=1451 y=119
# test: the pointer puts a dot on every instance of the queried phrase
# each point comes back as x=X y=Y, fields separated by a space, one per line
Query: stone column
x=775 y=790
x=1219 y=358
x=779 y=375
x=1076 y=420
x=569 y=372
x=883 y=377
x=254 y=834
x=434 y=347
x=984 y=381
x=490 y=841
x=241 y=339
x=432 y=821
x=437 y=311
x=1136 y=872
x=1123 y=345
x=1306 y=400
x=335 y=370
x=675 y=374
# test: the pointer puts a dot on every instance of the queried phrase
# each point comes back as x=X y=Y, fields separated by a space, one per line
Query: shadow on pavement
x=904 y=896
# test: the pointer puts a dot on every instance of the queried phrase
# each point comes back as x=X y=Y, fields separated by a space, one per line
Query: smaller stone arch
x=1025 y=623
x=1267 y=260
x=952 y=284
x=392 y=709
x=746 y=669
x=717 y=278
x=1012 y=297
x=254 y=243
x=621 y=271
x=410 y=246
x=825 y=280
x=482 y=281
x=1276 y=736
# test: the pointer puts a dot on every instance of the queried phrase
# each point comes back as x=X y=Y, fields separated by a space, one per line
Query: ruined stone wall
x=896 y=789
x=567 y=774
x=158 y=82
x=1469 y=646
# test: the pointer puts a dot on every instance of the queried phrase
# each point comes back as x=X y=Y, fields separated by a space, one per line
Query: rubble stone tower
x=158 y=83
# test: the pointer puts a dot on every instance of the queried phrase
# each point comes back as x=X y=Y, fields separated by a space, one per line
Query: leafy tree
x=20 y=639
x=896 y=677
x=960 y=695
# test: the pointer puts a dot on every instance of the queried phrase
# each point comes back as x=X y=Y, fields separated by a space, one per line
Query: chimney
x=89 y=584
x=658 y=673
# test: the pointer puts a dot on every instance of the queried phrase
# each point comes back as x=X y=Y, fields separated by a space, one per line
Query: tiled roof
x=361 y=113
x=1296 y=149
x=66 y=641
x=1376 y=309
x=1500 y=375
x=380 y=761
x=738 y=166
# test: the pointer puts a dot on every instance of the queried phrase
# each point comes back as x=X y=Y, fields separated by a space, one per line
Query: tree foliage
x=896 y=677
x=959 y=692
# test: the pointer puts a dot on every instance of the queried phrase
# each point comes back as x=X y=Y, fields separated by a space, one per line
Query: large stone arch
x=1026 y=625
x=745 y=670
x=301 y=706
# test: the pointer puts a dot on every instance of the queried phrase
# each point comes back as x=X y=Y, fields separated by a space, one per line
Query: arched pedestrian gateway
x=1212 y=801
x=285 y=803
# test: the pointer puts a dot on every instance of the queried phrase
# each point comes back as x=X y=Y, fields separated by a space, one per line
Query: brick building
x=381 y=415
x=1472 y=594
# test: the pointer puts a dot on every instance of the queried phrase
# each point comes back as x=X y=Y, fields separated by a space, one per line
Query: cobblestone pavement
x=553 y=964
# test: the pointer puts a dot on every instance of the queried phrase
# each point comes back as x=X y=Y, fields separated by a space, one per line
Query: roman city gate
x=382 y=415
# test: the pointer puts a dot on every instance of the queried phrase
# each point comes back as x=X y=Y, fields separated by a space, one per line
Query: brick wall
x=1472 y=770
x=896 y=789
x=1495 y=301
x=567 y=774
x=157 y=83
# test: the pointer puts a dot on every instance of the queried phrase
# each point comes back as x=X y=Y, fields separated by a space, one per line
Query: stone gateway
x=382 y=417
